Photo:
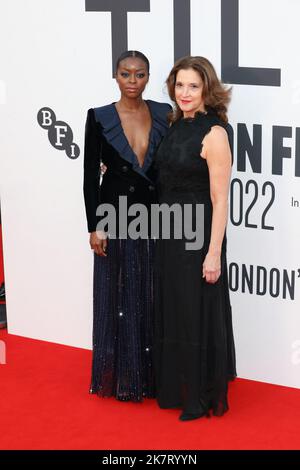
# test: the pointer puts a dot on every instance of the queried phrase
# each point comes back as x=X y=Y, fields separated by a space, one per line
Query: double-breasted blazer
x=105 y=142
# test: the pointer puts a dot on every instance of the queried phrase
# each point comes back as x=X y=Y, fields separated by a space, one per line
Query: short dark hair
x=137 y=54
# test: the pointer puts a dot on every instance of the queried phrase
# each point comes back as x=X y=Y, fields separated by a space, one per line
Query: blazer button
x=124 y=168
x=131 y=189
x=151 y=188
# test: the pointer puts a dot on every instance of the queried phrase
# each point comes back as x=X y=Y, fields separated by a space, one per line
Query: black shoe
x=189 y=416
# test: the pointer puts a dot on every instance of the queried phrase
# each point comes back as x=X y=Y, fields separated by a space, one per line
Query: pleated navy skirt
x=123 y=321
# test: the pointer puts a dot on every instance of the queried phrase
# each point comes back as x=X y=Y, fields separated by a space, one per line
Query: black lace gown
x=194 y=345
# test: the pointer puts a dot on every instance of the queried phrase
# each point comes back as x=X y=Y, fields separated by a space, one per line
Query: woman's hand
x=98 y=242
x=211 y=268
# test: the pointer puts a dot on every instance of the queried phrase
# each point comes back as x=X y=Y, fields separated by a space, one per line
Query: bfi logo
x=230 y=70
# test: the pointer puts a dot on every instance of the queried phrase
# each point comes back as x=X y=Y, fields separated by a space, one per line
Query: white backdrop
x=57 y=55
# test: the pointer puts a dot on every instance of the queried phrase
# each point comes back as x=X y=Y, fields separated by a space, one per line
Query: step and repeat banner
x=56 y=61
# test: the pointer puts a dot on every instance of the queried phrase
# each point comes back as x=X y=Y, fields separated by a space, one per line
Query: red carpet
x=45 y=404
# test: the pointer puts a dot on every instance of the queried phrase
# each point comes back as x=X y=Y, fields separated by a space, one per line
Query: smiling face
x=132 y=77
x=188 y=92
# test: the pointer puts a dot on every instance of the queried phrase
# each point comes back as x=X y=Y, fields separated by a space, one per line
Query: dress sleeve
x=91 y=179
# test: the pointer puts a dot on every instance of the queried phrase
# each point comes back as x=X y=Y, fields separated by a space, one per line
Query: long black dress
x=123 y=281
x=194 y=346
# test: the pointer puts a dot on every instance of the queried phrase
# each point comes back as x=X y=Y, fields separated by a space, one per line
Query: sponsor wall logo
x=253 y=202
x=261 y=280
x=231 y=72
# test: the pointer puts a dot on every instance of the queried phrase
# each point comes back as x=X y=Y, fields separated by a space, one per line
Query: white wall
x=267 y=328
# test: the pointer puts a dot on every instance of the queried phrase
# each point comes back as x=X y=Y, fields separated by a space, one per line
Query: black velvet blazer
x=106 y=142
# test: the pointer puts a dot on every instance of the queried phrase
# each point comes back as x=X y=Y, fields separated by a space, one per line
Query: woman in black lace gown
x=123 y=136
x=194 y=344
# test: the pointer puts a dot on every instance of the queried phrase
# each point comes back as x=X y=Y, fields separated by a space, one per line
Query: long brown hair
x=216 y=96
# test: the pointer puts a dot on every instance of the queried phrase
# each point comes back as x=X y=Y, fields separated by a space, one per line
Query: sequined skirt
x=123 y=321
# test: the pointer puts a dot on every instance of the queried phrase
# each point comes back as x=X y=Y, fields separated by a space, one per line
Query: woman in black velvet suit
x=123 y=136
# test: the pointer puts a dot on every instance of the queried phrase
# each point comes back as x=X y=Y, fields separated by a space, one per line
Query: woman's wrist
x=214 y=251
